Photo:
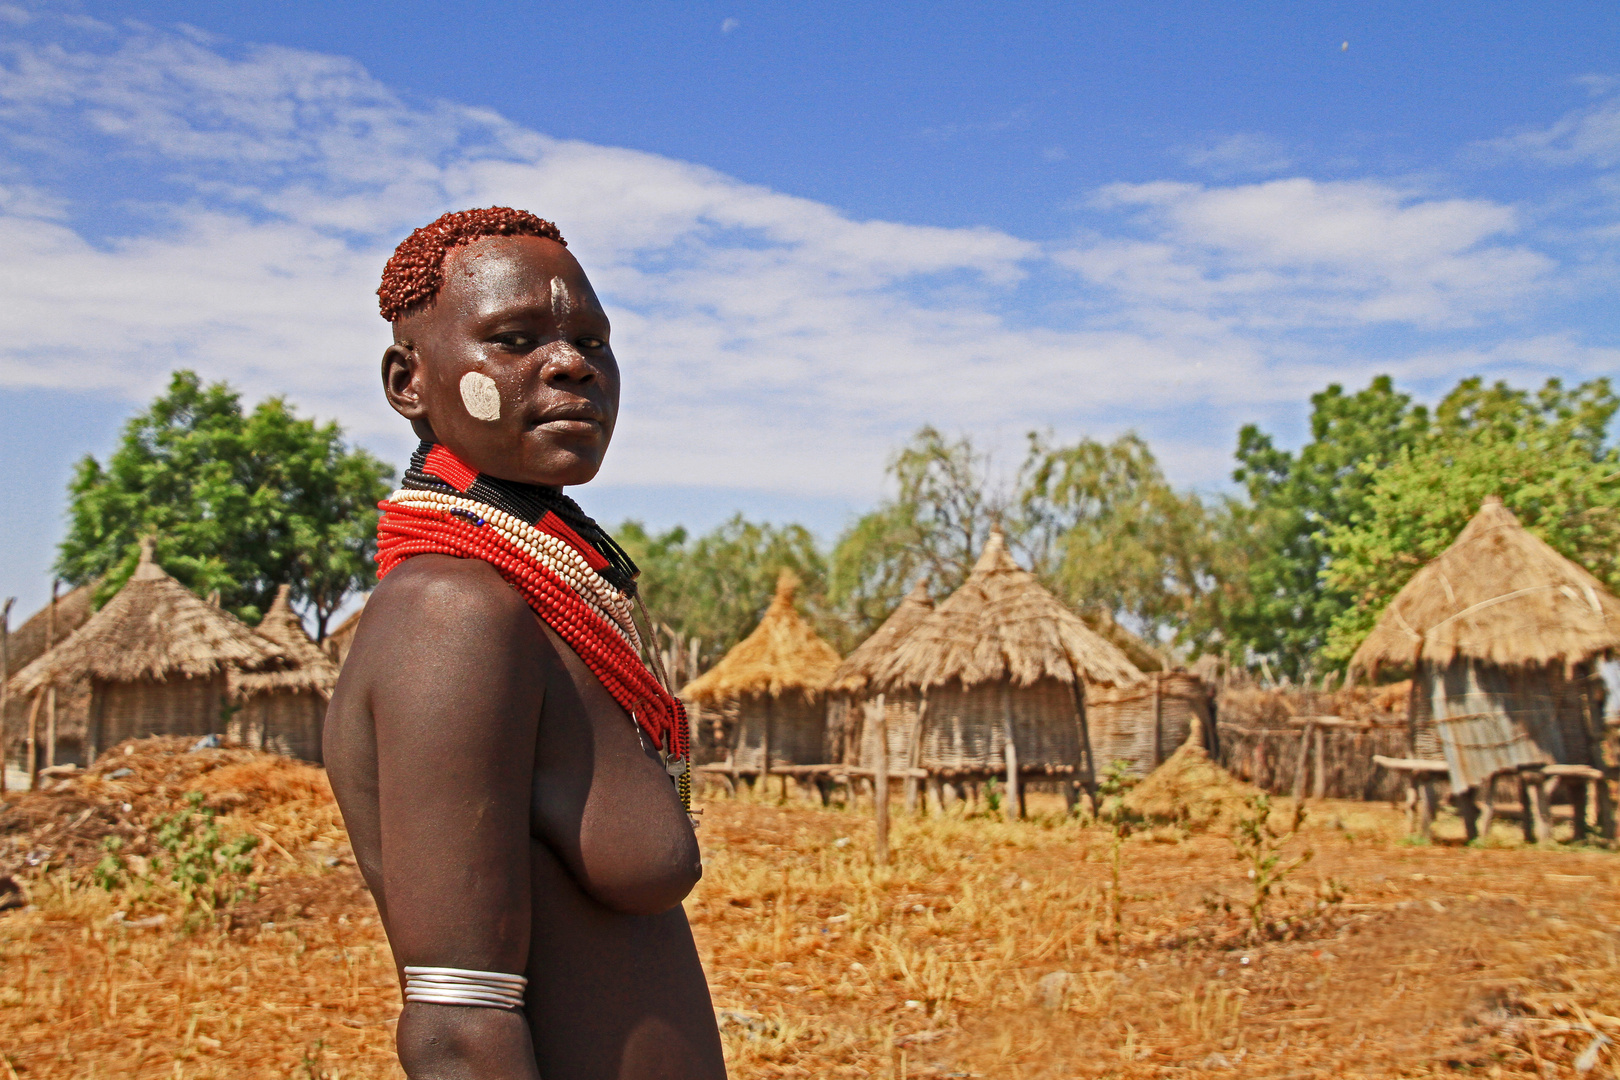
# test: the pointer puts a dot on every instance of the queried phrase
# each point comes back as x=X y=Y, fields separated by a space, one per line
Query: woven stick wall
x=1143 y=723
x=1269 y=758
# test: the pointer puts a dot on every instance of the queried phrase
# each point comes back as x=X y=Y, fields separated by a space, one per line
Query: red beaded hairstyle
x=415 y=271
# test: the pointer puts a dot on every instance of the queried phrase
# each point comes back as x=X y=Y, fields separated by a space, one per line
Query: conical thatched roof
x=27 y=642
x=856 y=670
x=1001 y=624
x=312 y=669
x=1498 y=594
x=783 y=655
x=155 y=628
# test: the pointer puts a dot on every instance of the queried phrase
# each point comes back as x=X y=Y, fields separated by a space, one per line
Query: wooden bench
x=1422 y=798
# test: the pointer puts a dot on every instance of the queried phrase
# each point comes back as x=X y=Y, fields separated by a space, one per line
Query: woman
x=502 y=757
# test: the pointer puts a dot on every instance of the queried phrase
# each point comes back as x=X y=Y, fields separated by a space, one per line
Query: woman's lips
x=571 y=425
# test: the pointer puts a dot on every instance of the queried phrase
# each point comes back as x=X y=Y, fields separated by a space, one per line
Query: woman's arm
x=456 y=705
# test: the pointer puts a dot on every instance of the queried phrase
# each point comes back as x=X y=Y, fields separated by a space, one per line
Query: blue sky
x=816 y=226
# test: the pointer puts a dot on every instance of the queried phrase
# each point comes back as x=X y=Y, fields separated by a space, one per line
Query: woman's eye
x=515 y=341
x=590 y=343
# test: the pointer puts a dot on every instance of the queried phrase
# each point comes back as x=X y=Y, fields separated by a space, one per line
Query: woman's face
x=509 y=367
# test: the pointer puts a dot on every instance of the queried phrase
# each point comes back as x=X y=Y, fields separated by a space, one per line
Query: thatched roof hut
x=1002 y=626
x=999 y=671
x=340 y=641
x=848 y=687
x=1501 y=631
x=27 y=643
x=284 y=709
x=158 y=660
x=769 y=690
x=852 y=676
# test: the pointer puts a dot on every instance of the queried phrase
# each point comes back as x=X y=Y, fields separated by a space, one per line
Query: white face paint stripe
x=481 y=396
x=559 y=296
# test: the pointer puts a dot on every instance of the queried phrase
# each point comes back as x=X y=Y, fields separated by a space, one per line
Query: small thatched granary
x=849 y=687
x=1501 y=632
x=340 y=641
x=284 y=709
x=769 y=693
x=42 y=630
x=157 y=660
x=1000 y=670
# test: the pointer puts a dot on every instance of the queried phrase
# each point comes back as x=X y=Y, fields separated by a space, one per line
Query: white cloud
x=1298 y=252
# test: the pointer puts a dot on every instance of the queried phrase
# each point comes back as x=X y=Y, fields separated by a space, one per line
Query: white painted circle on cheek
x=481 y=396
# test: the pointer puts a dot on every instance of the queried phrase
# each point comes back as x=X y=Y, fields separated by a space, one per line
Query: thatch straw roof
x=783 y=655
x=1002 y=625
x=155 y=628
x=311 y=670
x=340 y=641
x=1498 y=594
x=856 y=670
x=28 y=641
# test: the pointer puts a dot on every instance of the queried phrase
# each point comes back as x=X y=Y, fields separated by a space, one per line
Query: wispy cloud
x=1243 y=154
x=1589 y=135
x=1297 y=253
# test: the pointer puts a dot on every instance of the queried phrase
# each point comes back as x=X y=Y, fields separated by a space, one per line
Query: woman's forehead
x=499 y=272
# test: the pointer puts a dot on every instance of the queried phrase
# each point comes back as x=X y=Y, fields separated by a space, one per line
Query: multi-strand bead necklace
x=568 y=569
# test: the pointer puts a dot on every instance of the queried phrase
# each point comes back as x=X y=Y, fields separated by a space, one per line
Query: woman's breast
x=604 y=803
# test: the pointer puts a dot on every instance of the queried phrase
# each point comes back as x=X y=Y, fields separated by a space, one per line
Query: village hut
x=768 y=695
x=64 y=716
x=283 y=709
x=849 y=693
x=1500 y=633
x=1001 y=669
x=157 y=659
x=340 y=641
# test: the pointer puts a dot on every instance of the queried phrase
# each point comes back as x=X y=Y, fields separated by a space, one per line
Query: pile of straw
x=1190 y=790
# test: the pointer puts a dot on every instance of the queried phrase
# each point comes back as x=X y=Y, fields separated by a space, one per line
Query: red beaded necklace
x=551 y=566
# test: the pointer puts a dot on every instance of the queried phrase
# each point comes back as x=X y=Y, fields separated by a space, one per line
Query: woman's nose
x=566 y=363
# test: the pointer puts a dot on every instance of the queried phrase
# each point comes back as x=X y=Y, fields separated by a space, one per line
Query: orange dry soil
x=986 y=948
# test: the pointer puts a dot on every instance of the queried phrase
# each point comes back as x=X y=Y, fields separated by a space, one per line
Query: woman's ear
x=402 y=377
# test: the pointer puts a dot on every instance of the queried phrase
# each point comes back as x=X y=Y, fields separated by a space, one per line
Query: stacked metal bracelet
x=461 y=986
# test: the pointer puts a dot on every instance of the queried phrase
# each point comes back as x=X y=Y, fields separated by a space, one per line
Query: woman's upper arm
x=456 y=709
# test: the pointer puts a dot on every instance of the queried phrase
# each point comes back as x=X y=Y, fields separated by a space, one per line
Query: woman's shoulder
x=448 y=607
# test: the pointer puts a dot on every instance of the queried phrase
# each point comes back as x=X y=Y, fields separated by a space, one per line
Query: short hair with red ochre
x=415 y=272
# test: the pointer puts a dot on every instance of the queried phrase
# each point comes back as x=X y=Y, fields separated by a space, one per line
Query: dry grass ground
x=986 y=949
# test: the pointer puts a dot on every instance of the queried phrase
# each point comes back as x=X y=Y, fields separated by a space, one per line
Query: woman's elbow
x=457 y=1040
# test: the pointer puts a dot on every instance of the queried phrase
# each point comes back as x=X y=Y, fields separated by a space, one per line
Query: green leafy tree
x=239 y=503
x=1107 y=532
x=716 y=587
x=1282 y=608
x=1543 y=454
x=933 y=529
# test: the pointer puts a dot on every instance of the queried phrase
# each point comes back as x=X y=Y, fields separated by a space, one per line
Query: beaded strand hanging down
x=569 y=570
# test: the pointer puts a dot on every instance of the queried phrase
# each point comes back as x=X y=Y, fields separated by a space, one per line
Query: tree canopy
x=238 y=502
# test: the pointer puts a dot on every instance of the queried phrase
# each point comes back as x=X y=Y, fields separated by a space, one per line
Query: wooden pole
x=33 y=738
x=880 y=782
x=1086 y=776
x=914 y=752
x=1158 y=723
x=50 y=696
x=765 y=752
x=1015 y=791
x=5 y=683
x=1319 y=783
x=1299 y=762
